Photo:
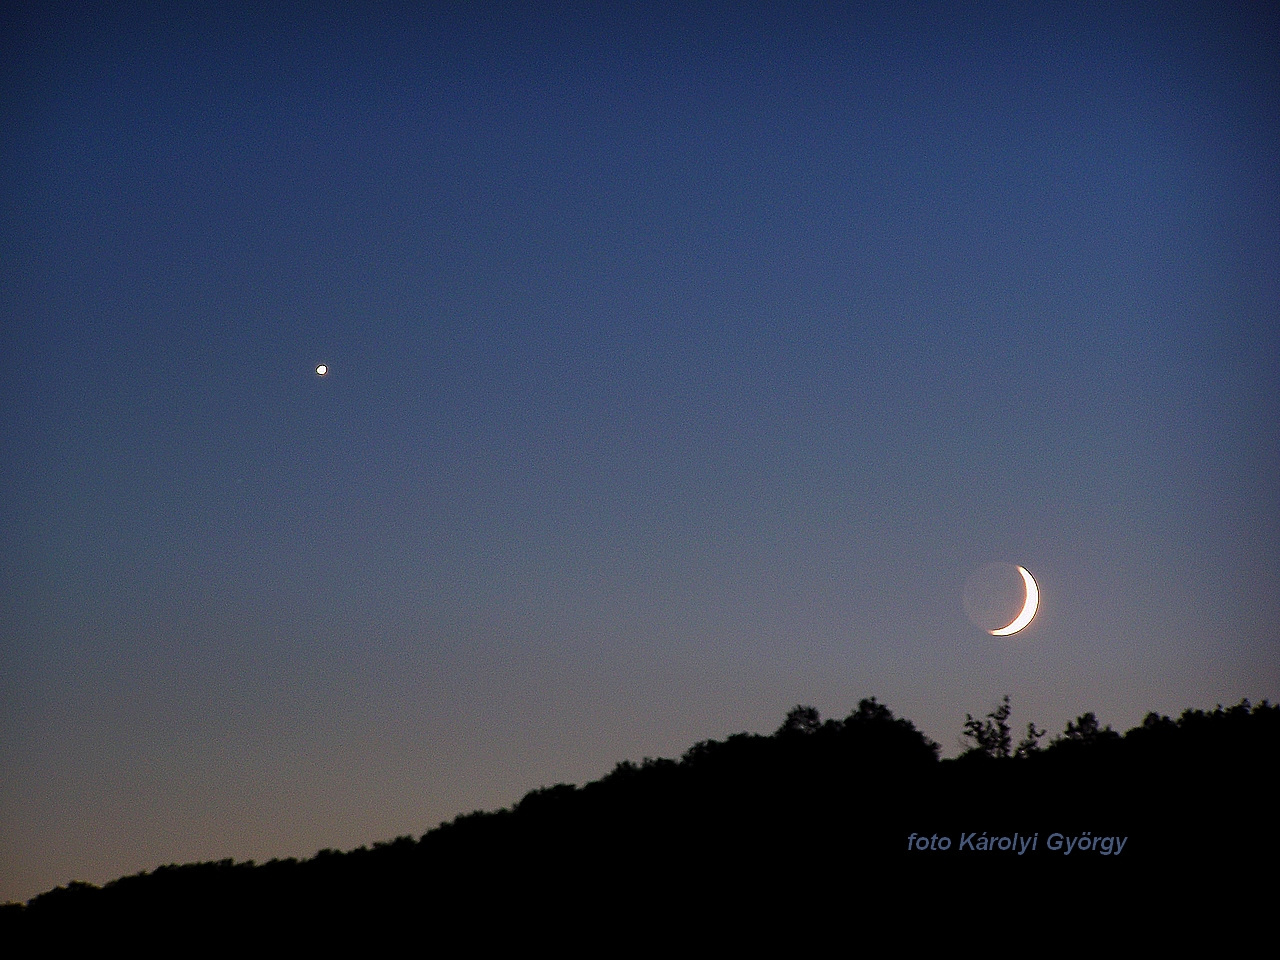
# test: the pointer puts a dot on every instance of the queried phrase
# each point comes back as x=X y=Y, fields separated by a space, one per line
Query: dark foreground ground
x=848 y=832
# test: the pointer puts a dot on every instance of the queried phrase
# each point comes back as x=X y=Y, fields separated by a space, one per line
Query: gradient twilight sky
x=685 y=361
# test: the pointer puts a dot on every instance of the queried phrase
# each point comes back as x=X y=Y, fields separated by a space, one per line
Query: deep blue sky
x=685 y=363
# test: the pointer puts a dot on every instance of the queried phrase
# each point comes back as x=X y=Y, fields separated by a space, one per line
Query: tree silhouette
x=1030 y=743
x=739 y=815
x=800 y=719
x=991 y=737
x=871 y=711
x=1085 y=730
x=880 y=738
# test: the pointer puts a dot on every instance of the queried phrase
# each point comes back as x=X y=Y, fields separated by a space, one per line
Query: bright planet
x=321 y=370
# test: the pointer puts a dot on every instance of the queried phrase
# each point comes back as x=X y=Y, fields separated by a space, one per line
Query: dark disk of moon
x=995 y=596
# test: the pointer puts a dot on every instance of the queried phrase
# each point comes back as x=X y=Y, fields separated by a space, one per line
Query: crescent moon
x=1028 y=609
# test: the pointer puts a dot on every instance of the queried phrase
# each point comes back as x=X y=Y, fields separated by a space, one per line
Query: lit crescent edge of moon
x=1028 y=609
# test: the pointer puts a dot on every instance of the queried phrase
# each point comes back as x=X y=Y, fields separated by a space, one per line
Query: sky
x=685 y=360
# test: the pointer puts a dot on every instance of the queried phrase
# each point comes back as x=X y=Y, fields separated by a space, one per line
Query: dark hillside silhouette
x=823 y=822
